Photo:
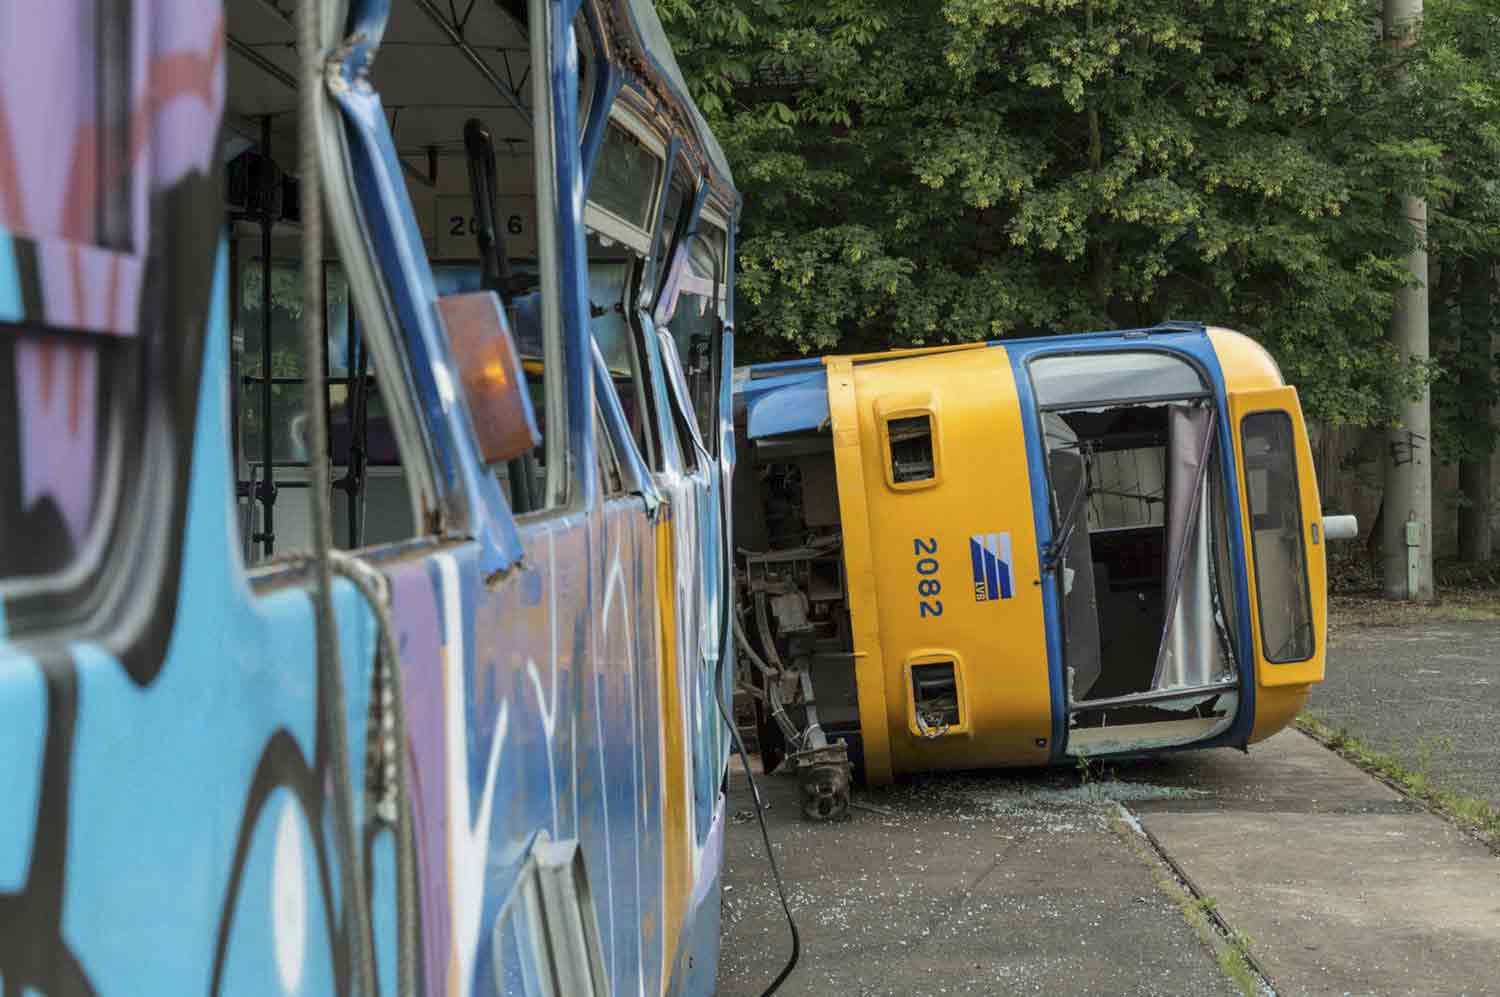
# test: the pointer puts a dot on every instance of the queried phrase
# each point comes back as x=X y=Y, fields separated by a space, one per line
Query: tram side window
x=695 y=327
x=611 y=268
x=370 y=503
x=621 y=208
x=611 y=479
x=679 y=200
x=1286 y=623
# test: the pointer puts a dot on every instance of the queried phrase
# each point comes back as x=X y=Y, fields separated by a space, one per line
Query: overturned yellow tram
x=1019 y=553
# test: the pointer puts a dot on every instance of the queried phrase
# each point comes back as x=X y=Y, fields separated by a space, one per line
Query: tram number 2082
x=928 y=586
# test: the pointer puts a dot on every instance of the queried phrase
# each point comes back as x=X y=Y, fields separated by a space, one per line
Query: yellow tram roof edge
x=910 y=351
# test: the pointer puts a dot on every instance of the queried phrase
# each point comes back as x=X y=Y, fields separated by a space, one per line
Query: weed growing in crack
x=1470 y=812
x=1230 y=947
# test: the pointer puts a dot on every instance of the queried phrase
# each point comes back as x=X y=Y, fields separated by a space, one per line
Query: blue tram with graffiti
x=364 y=438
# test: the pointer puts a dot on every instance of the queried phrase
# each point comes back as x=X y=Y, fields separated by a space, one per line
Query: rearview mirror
x=490 y=368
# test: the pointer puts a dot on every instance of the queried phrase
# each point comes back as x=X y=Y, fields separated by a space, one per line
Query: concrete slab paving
x=1342 y=885
x=977 y=884
x=1286 y=773
x=1016 y=883
x=1427 y=693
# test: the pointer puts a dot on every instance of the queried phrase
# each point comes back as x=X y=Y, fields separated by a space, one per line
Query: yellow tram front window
x=1286 y=617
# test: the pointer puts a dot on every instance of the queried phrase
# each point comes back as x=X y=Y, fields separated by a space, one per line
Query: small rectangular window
x=934 y=689
x=911 y=449
x=626 y=178
x=1275 y=505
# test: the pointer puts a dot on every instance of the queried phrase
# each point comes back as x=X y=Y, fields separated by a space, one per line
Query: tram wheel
x=825 y=792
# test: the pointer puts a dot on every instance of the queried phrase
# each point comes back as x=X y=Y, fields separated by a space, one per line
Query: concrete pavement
x=972 y=884
x=1343 y=885
x=1428 y=693
x=1017 y=883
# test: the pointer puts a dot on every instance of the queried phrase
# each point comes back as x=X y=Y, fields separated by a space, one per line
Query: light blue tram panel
x=486 y=754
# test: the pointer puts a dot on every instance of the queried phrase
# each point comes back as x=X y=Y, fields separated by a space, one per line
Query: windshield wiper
x=1054 y=553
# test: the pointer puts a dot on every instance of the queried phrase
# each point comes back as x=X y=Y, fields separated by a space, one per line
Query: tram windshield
x=1141 y=536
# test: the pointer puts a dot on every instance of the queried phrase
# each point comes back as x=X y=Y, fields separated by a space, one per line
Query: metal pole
x=330 y=672
x=267 y=489
x=1407 y=523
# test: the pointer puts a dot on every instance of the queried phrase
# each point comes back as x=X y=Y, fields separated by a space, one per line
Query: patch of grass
x=1472 y=813
x=1231 y=948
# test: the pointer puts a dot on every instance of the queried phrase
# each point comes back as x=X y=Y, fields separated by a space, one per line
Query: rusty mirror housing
x=490 y=369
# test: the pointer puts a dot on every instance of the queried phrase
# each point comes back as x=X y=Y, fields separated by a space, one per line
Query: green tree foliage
x=1457 y=79
x=976 y=169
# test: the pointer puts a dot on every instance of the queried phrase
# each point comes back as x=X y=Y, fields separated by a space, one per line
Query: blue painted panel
x=23 y=704
x=1042 y=521
x=10 y=286
x=788 y=410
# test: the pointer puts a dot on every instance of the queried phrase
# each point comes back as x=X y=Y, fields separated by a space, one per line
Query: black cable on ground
x=726 y=644
x=765 y=835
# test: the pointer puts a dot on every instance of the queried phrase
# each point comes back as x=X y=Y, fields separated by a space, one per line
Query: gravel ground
x=1428 y=693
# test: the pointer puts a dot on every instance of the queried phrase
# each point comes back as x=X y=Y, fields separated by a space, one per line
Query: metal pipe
x=332 y=719
x=267 y=489
x=773 y=694
x=467 y=51
x=415 y=175
x=351 y=407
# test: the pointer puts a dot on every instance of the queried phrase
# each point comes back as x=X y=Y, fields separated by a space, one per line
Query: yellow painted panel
x=1275 y=707
x=677 y=846
x=1245 y=363
x=869 y=663
x=892 y=537
x=1284 y=399
x=910 y=351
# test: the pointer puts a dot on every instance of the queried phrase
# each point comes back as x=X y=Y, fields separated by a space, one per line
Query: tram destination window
x=1276 y=532
x=1117 y=376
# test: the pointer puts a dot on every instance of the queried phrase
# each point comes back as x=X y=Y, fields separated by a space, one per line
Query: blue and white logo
x=990 y=555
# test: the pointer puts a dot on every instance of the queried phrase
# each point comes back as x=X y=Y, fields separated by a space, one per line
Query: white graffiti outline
x=468 y=846
x=549 y=724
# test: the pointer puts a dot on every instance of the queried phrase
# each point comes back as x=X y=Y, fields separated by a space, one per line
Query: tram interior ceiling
x=456 y=94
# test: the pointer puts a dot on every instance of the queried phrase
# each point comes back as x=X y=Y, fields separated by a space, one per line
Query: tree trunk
x=1406 y=547
x=1475 y=535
